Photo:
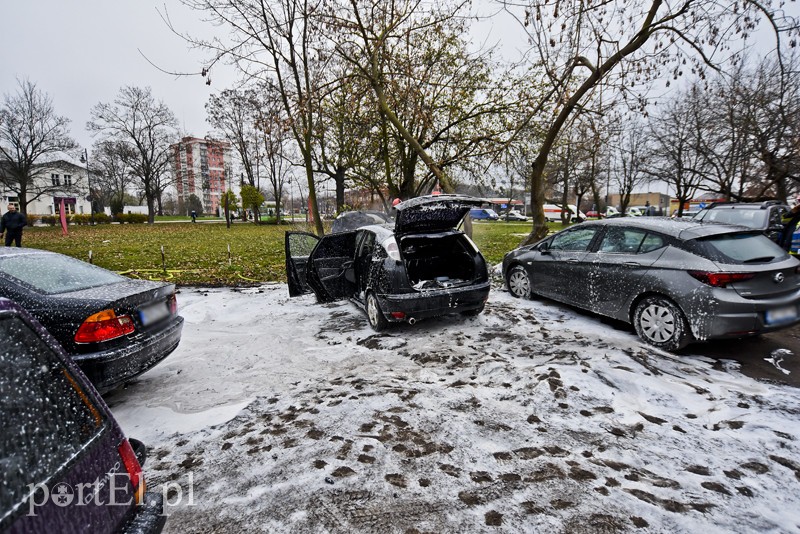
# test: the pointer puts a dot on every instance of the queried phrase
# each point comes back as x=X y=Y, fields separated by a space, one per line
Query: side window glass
x=622 y=240
x=574 y=240
x=652 y=242
x=367 y=244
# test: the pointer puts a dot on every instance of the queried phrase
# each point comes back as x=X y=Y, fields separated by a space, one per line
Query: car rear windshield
x=752 y=218
x=46 y=416
x=738 y=248
x=54 y=273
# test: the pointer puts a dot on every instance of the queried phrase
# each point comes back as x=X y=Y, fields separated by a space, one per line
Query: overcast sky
x=82 y=52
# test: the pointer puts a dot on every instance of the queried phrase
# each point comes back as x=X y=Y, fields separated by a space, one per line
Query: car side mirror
x=544 y=248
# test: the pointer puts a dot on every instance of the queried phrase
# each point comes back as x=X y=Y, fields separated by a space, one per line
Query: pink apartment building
x=202 y=167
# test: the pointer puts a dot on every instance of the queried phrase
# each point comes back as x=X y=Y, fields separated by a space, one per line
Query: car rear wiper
x=763 y=259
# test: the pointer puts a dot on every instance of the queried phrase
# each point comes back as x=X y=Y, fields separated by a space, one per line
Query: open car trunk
x=441 y=261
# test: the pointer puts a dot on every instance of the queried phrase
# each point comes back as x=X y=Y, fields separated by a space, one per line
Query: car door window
x=46 y=416
x=652 y=242
x=630 y=241
x=622 y=240
x=573 y=240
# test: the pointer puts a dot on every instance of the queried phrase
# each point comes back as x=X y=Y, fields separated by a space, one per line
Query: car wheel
x=659 y=322
x=374 y=314
x=518 y=282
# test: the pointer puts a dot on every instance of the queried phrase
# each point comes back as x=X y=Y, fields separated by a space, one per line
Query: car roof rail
x=768 y=203
x=713 y=204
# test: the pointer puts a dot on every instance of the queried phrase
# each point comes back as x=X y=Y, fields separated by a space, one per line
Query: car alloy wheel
x=519 y=283
x=661 y=323
x=374 y=314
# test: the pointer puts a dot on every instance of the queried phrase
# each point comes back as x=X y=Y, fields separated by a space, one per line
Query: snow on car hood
x=433 y=213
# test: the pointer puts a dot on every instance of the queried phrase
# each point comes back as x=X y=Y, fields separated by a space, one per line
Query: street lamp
x=85 y=159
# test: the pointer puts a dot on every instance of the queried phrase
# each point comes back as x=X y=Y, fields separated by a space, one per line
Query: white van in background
x=552 y=212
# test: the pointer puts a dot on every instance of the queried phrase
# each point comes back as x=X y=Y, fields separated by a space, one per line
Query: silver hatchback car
x=675 y=280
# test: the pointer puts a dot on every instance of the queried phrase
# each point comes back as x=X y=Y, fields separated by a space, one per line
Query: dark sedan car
x=675 y=280
x=765 y=216
x=421 y=267
x=114 y=328
x=65 y=465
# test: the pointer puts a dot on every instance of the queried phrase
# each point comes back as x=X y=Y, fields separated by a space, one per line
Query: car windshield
x=54 y=273
x=752 y=218
x=45 y=414
x=738 y=248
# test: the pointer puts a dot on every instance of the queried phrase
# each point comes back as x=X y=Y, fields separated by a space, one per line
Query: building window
x=67 y=179
x=55 y=179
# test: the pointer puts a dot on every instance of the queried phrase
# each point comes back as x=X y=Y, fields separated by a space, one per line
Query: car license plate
x=153 y=314
x=781 y=315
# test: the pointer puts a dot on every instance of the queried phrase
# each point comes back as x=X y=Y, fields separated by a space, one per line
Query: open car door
x=299 y=246
x=330 y=272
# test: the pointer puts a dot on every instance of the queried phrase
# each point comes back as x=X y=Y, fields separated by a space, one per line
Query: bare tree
x=631 y=162
x=676 y=140
x=234 y=113
x=276 y=40
x=115 y=176
x=583 y=46
x=30 y=133
x=146 y=127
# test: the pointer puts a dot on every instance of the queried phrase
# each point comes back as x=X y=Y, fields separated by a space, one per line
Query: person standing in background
x=11 y=223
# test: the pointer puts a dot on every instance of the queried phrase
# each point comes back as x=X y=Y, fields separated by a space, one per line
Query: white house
x=55 y=180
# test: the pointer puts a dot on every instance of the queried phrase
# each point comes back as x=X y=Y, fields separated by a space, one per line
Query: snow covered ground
x=281 y=415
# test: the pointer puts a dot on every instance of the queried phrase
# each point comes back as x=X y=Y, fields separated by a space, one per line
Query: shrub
x=50 y=219
x=101 y=218
x=80 y=218
x=131 y=218
x=32 y=218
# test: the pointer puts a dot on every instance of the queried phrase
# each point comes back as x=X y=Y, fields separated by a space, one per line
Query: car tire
x=660 y=322
x=374 y=314
x=518 y=282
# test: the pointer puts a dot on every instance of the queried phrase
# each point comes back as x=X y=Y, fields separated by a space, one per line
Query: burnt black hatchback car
x=114 y=328
x=423 y=266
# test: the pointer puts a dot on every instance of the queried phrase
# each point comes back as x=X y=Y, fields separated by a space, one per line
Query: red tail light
x=172 y=302
x=720 y=279
x=103 y=326
x=133 y=468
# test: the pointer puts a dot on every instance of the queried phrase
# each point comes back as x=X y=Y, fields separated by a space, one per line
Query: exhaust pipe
x=412 y=321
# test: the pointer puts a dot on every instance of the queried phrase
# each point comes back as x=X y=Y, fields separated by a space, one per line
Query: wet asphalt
x=782 y=347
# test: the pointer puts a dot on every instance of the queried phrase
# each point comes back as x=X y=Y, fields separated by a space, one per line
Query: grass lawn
x=197 y=254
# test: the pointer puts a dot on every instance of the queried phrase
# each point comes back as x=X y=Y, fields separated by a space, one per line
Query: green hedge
x=131 y=218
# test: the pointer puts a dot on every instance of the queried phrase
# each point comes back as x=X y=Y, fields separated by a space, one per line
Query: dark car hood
x=433 y=213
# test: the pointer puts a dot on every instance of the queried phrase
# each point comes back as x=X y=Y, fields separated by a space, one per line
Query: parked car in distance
x=592 y=214
x=514 y=215
x=114 y=328
x=483 y=214
x=421 y=267
x=351 y=220
x=552 y=212
x=674 y=280
x=763 y=216
x=63 y=457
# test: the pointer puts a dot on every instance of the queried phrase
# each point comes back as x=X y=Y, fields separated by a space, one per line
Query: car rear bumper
x=731 y=316
x=109 y=369
x=434 y=302
x=149 y=517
